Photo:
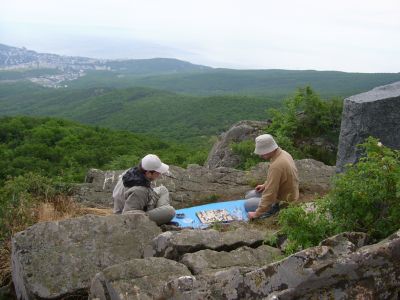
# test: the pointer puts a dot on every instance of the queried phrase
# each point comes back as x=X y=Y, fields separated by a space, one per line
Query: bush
x=305 y=117
x=366 y=198
x=306 y=127
x=245 y=150
x=305 y=228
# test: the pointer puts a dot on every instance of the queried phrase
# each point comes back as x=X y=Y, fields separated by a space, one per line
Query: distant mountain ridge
x=12 y=58
x=173 y=75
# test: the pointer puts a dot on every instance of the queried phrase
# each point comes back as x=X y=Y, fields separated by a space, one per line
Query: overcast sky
x=344 y=35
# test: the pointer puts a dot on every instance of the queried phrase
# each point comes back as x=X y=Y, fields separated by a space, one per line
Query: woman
x=134 y=193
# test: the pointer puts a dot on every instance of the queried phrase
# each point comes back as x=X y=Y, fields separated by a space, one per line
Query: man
x=133 y=191
x=282 y=182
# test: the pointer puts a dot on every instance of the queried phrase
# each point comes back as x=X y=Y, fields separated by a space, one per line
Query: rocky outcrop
x=173 y=245
x=136 y=279
x=199 y=185
x=60 y=260
x=54 y=260
x=368 y=272
x=374 y=113
x=221 y=155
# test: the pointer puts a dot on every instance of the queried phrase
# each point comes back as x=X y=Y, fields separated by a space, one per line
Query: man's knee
x=252 y=194
x=251 y=204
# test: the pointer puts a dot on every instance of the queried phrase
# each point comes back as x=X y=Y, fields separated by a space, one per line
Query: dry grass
x=5 y=263
x=60 y=208
x=64 y=208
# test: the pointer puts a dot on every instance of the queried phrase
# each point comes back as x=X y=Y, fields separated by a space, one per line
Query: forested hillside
x=270 y=83
x=65 y=150
x=167 y=115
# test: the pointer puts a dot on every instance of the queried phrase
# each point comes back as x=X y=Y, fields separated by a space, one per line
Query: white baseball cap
x=265 y=143
x=152 y=162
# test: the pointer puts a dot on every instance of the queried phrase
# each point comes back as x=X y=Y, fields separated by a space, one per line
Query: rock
x=221 y=155
x=346 y=242
x=369 y=272
x=181 y=288
x=287 y=273
x=173 y=245
x=136 y=279
x=97 y=189
x=209 y=261
x=198 y=185
x=223 y=284
x=374 y=113
x=372 y=272
x=315 y=177
x=58 y=259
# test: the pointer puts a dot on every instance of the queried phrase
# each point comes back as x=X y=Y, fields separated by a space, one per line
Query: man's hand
x=260 y=188
x=252 y=215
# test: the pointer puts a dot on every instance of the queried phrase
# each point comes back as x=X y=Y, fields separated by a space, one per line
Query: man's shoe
x=272 y=211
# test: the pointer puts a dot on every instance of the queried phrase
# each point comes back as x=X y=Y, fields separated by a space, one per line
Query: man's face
x=267 y=156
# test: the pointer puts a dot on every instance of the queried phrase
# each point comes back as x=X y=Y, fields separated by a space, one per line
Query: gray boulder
x=210 y=261
x=59 y=259
x=374 y=113
x=315 y=177
x=173 y=245
x=136 y=279
x=221 y=154
x=199 y=185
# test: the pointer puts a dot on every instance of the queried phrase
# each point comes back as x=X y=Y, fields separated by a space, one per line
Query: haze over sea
x=345 y=35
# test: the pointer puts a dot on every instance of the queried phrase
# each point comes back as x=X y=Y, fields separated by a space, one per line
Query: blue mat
x=188 y=217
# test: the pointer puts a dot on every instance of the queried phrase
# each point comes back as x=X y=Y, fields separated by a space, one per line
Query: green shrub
x=305 y=228
x=365 y=198
x=245 y=150
x=305 y=117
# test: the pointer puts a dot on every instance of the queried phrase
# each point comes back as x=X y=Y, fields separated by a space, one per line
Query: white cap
x=265 y=143
x=151 y=162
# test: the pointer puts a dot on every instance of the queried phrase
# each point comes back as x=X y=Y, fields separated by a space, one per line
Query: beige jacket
x=282 y=182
